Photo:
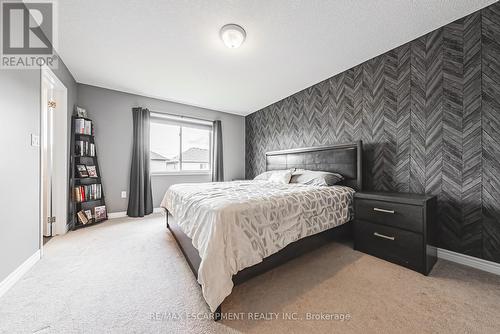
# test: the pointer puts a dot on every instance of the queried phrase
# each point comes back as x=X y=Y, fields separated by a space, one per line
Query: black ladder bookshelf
x=86 y=192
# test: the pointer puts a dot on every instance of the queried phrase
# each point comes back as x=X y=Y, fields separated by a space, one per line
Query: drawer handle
x=383 y=236
x=384 y=210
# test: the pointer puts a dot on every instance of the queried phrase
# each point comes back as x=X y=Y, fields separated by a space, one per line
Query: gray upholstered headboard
x=345 y=159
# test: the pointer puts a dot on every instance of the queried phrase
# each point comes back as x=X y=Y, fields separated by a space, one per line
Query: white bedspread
x=234 y=225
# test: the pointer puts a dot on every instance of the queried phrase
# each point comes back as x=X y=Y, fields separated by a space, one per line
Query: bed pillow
x=263 y=176
x=266 y=175
x=282 y=176
x=315 y=178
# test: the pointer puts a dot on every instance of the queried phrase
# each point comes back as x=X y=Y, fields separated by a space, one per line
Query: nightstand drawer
x=395 y=245
x=406 y=216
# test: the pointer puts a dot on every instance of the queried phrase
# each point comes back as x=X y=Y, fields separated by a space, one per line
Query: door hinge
x=51 y=220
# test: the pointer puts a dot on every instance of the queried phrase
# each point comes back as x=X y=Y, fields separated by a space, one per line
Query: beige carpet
x=128 y=276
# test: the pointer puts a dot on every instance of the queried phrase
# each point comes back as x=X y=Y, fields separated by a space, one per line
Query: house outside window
x=179 y=145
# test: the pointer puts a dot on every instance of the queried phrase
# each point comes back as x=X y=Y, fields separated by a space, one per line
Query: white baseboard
x=113 y=215
x=470 y=261
x=122 y=214
x=63 y=230
x=16 y=275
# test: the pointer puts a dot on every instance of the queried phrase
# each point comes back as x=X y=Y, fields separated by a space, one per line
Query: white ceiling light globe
x=232 y=35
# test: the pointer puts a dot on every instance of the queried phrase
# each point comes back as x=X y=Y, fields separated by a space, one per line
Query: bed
x=230 y=232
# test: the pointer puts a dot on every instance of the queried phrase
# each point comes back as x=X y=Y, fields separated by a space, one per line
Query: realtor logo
x=27 y=35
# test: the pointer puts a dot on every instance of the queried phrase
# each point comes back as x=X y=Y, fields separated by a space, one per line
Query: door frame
x=60 y=170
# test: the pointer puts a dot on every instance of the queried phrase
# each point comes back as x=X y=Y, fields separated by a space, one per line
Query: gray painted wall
x=20 y=110
x=19 y=227
x=112 y=114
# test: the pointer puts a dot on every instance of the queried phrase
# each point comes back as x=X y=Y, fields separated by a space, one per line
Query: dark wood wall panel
x=491 y=132
x=429 y=115
x=451 y=194
x=417 y=115
x=398 y=106
x=461 y=219
x=471 y=233
x=434 y=113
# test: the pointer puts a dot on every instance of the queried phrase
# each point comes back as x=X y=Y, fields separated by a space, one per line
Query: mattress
x=235 y=225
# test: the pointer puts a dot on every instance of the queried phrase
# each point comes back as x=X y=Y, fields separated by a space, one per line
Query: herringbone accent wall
x=428 y=113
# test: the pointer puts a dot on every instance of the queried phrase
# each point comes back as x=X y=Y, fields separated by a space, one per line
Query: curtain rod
x=181 y=116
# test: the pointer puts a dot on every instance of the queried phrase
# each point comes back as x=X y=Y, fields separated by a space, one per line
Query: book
x=92 y=171
x=88 y=214
x=83 y=126
x=84 y=148
x=87 y=192
x=79 y=125
x=82 y=171
x=78 y=147
x=82 y=217
x=100 y=213
x=87 y=127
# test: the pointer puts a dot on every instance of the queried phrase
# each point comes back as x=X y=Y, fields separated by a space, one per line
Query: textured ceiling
x=171 y=49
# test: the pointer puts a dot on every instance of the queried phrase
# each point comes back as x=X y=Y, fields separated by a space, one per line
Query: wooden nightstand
x=397 y=227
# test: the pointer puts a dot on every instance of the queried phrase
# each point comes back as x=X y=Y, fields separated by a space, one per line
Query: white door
x=47 y=145
x=54 y=156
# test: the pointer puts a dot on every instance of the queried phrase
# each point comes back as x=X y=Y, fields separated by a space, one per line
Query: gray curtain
x=140 y=201
x=217 y=166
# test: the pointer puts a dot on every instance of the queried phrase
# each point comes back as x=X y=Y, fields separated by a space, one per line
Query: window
x=179 y=145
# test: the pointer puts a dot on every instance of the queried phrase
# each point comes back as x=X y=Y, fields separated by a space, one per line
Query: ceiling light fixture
x=232 y=35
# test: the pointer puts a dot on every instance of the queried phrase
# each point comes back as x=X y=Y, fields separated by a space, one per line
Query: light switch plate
x=35 y=140
x=124 y=194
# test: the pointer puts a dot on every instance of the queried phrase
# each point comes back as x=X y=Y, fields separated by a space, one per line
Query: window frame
x=182 y=121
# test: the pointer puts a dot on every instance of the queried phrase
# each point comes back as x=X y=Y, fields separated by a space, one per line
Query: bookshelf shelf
x=84 y=162
x=89 y=201
x=88 y=224
x=86 y=182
